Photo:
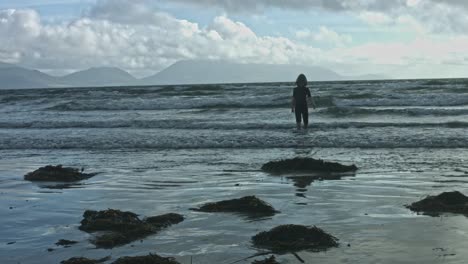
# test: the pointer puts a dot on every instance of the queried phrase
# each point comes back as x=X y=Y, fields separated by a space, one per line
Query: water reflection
x=301 y=182
x=61 y=186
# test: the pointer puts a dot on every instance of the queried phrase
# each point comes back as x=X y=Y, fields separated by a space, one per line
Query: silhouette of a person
x=301 y=97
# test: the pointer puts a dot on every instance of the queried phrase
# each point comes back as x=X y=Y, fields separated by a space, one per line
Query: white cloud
x=131 y=35
x=324 y=36
x=145 y=39
x=259 y=5
x=439 y=16
x=375 y=18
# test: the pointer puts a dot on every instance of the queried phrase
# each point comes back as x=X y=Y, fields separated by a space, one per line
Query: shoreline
x=354 y=209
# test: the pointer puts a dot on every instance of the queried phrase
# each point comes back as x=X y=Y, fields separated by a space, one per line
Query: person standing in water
x=301 y=97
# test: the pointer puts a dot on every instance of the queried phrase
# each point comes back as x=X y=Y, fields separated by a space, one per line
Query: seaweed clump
x=81 y=260
x=166 y=220
x=57 y=173
x=123 y=227
x=249 y=205
x=447 y=202
x=292 y=238
x=306 y=164
x=149 y=259
x=270 y=260
x=65 y=242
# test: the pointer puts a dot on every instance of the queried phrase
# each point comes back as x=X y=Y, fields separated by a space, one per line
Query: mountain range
x=182 y=72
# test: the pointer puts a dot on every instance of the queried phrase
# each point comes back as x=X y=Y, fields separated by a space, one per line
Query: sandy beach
x=365 y=211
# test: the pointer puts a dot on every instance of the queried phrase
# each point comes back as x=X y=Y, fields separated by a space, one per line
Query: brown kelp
x=270 y=260
x=149 y=259
x=306 y=165
x=292 y=238
x=120 y=228
x=248 y=205
x=57 y=173
x=447 y=202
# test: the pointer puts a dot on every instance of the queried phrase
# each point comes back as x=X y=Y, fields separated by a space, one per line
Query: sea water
x=171 y=148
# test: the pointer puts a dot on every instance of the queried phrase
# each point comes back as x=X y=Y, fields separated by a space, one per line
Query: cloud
x=141 y=39
x=129 y=35
x=438 y=16
x=332 y=5
x=324 y=36
x=375 y=18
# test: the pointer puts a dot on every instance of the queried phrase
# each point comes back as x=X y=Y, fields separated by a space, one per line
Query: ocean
x=166 y=149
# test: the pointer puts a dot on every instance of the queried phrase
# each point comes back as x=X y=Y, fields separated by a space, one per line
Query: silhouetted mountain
x=183 y=72
x=13 y=77
x=202 y=71
x=102 y=76
x=367 y=77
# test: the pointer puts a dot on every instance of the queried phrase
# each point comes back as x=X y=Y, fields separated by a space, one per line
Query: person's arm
x=311 y=101
x=293 y=104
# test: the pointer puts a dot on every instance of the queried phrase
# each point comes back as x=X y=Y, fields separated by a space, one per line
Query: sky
x=395 y=38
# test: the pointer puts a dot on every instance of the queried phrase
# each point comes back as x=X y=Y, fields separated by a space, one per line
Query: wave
x=259 y=101
x=429 y=99
x=413 y=111
x=198 y=124
x=159 y=140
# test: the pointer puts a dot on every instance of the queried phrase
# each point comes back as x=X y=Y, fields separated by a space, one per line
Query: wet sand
x=365 y=210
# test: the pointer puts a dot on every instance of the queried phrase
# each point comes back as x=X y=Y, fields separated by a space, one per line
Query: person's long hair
x=301 y=80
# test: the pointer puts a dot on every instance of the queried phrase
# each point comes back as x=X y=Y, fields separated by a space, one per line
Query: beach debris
x=447 y=202
x=306 y=165
x=81 y=260
x=270 y=260
x=166 y=220
x=123 y=227
x=249 y=205
x=57 y=173
x=292 y=238
x=149 y=259
x=65 y=243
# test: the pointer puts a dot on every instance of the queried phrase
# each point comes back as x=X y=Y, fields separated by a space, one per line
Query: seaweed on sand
x=306 y=164
x=292 y=238
x=65 y=242
x=165 y=220
x=270 y=260
x=447 y=202
x=149 y=259
x=80 y=260
x=57 y=173
x=123 y=227
x=249 y=205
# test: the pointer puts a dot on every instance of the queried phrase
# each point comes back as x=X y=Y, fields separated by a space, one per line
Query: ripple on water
x=365 y=210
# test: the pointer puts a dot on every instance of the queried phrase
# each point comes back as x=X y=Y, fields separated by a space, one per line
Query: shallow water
x=170 y=148
x=365 y=210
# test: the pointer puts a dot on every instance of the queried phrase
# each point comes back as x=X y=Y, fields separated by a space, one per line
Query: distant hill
x=103 y=76
x=199 y=71
x=182 y=72
x=13 y=77
x=367 y=77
